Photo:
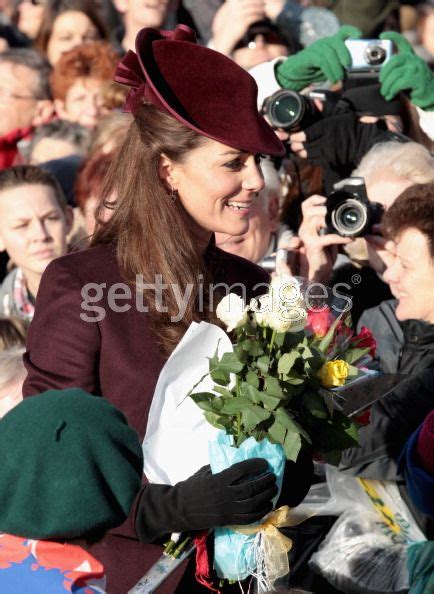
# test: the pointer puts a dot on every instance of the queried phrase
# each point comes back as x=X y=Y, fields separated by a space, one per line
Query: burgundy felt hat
x=200 y=87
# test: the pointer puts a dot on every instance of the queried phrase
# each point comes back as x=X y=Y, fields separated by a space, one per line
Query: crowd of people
x=202 y=142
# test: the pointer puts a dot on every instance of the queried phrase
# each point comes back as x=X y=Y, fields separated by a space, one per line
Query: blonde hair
x=13 y=332
x=113 y=129
x=408 y=160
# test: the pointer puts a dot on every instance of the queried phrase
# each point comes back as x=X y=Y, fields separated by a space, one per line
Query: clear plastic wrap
x=366 y=550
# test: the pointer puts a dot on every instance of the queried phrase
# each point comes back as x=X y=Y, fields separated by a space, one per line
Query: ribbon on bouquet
x=270 y=545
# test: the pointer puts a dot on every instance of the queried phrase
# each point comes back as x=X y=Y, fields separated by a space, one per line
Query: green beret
x=70 y=466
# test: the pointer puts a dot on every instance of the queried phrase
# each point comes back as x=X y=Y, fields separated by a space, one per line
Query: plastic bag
x=366 y=550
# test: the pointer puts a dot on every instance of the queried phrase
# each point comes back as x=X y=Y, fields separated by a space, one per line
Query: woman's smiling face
x=216 y=185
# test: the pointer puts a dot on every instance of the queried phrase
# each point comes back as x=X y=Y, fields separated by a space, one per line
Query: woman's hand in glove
x=241 y=494
x=407 y=72
x=325 y=59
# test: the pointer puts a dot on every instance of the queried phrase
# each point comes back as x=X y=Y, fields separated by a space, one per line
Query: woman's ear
x=168 y=172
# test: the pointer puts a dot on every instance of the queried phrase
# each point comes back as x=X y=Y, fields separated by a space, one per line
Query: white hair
x=11 y=366
x=407 y=160
x=272 y=182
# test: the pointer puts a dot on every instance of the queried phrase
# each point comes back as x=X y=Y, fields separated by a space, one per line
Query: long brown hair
x=151 y=230
x=54 y=8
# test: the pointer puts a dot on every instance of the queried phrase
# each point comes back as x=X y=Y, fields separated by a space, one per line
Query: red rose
x=319 y=321
x=365 y=339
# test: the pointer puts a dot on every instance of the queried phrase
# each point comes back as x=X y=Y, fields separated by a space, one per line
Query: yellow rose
x=333 y=373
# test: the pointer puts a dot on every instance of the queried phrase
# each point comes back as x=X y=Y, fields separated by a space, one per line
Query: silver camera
x=368 y=55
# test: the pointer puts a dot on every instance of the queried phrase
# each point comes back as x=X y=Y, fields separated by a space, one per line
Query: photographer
x=329 y=59
x=388 y=169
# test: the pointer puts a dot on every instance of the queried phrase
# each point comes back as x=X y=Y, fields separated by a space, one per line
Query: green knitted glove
x=407 y=72
x=325 y=59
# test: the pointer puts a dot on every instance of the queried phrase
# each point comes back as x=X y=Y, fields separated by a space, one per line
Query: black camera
x=291 y=111
x=349 y=212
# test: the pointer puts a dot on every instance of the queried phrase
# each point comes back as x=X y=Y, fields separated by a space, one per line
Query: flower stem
x=273 y=336
x=237 y=387
x=180 y=548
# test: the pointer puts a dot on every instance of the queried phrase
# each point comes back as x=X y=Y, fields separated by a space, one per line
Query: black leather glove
x=241 y=494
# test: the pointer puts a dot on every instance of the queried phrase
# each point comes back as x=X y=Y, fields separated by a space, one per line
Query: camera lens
x=350 y=218
x=286 y=109
x=375 y=54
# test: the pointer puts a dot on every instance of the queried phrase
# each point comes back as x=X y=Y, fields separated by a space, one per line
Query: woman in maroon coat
x=107 y=318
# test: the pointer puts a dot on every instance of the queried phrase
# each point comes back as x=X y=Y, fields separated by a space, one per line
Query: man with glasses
x=25 y=100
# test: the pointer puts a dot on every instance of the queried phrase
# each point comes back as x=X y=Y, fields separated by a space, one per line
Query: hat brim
x=205 y=91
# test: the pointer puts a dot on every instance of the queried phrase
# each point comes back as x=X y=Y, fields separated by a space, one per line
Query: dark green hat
x=70 y=466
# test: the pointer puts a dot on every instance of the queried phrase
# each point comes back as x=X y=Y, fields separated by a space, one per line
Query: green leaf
x=214 y=420
x=269 y=401
x=325 y=342
x=241 y=354
x=283 y=417
x=223 y=391
x=253 y=347
x=236 y=405
x=252 y=379
x=220 y=377
x=256 y=396
x=263 y=363
x=314 y=403
x=354 y=355
x=307 y=353
x=200 y=397
x=354 y=372
x=230 y=363
x=287 y=421
x=295 y=379
x=279 y=339
x=338 y=434
x=252 y=416
x=292 y=445
x=286 y=362
x=213 y=361
x=328 y=397
x=273 y=387
x=277 y=432
x=250 y=392
x=207 y=406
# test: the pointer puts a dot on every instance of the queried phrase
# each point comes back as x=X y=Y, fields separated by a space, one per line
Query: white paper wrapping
x=177 y=434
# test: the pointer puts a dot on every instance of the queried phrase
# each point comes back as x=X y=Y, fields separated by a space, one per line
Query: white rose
x=287 y=319
x=277 y=316
x=286 y=289
x=262 y=308
x=232 y=311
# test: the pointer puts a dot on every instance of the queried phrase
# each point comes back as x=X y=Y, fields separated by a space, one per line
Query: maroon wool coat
x=114 y=357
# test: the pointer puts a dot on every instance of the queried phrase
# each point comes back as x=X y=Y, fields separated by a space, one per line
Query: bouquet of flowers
x=271 y=396
x=264 y=388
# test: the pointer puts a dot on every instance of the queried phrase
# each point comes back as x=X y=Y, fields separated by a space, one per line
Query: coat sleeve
x=420 y=483
x=393 y=419
x=62 y=347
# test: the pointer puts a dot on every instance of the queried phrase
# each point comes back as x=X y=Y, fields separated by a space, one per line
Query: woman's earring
x=173 y=194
